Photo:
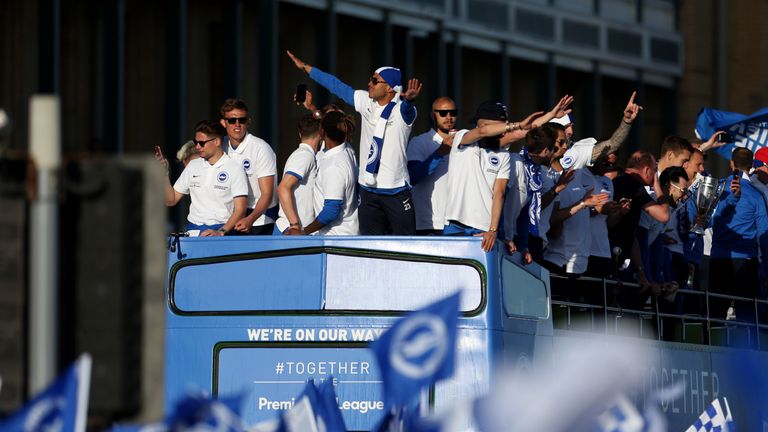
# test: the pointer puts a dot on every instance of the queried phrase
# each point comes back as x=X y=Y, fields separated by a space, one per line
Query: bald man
x=428 y=168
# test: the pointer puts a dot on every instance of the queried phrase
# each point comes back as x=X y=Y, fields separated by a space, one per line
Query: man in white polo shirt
x=387 y=114
x=258 y=160
x=297 y=186
x=215 y=183
x=478 y=171
x=428 y=168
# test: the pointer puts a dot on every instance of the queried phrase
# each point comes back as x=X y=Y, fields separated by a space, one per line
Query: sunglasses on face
x=233 y=120
x=202 y=143
x=445 y=112
x=375 y=81
x=682 y=190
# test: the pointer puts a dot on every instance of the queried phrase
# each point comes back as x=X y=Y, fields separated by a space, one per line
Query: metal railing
x=652 y=312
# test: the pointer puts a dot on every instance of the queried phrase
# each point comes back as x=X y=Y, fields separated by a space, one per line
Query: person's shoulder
x=256 y=142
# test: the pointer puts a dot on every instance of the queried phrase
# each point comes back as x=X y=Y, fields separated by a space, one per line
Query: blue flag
x=749 y=131
x=61 y=407
x=714 y=419
x=418 y=350
x=195 y=412
x=316 y=409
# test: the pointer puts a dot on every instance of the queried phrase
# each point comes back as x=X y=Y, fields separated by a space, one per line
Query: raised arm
x=560 y=109
x=517 y=130
x=171 y=196
x=620 y=134
x=330 y=82
x=407 y=110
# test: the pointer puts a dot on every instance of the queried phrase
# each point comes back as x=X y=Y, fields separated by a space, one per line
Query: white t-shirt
x=393 y=168
x=301 y=164
x=258 y=160
x=601 y=247
x=212 y=189
x=579 y=155
x=573 y=246
x=430 y=193
x=472 y=173
x=337 y=180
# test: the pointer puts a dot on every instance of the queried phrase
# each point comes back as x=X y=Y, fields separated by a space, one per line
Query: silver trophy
x=710 y=190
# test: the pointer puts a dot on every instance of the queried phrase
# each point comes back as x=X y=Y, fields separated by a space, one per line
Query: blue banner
x=418 y=350
x=748 y=131
x=61 y=407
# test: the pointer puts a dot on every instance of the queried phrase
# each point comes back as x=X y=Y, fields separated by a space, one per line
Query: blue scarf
x=374 y=153
x=533 y=185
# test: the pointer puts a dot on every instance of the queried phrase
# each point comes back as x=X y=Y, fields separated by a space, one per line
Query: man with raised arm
x=215 y=183
x=584 y=152
x=387 y=114
x=478 y=172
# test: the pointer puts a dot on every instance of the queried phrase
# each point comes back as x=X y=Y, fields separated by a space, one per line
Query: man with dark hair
x=258 y=160
x=739 y=228
x=296 y=188
x=478 y=172
x=215 y=183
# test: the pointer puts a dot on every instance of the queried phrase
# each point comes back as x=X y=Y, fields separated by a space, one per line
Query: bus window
x=311 y=280
x=523 y=293
x=365 y=283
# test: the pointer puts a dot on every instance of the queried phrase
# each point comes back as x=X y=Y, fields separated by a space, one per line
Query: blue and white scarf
x=374 y=153
x=533 y=185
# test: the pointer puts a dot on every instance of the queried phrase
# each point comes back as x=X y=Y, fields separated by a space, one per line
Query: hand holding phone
x=301 y=94
x=725 y=137
x=736 y=183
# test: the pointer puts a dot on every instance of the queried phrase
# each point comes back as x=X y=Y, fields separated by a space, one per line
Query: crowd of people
x=566 y=204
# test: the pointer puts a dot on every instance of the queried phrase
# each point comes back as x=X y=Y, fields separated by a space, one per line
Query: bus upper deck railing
x=753 y=329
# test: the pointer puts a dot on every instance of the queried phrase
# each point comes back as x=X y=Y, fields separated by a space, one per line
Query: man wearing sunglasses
x=215 y=183
x=387 y=114
x=260 y=165
x=428 y=168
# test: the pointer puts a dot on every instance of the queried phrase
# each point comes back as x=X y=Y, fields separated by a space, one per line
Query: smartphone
x=736 y=174
x=725 y=137
x=301 y=93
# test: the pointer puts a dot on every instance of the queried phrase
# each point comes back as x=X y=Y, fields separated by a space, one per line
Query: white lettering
x=270 y=405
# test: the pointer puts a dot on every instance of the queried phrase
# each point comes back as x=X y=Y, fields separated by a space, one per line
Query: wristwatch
x=222 y=230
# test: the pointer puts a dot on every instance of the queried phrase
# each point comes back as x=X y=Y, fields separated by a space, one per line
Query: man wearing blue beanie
x=387 y=114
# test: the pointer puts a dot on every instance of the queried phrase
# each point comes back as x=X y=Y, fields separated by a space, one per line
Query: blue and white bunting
x=196 y=412
x=418 y=350
x=62 y=407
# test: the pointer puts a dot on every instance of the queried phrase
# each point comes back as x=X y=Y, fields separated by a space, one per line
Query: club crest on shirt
x=222 y=177
x=566 y=162
x=247 y=164
x=373 y=152
x=494 y=160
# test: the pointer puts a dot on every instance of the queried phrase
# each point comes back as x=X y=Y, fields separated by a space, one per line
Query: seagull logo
x=419 y=346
